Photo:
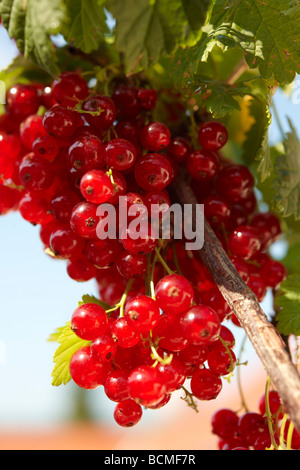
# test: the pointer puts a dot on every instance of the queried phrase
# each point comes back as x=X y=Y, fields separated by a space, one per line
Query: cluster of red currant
x=65 y=150
x=256 y=430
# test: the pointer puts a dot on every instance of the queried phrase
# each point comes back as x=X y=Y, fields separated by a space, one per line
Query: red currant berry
x=65 y=243
x=96 y=186
x=194 y=354
x=22 y=101
x=89 y=321
x=142 y=313
x=174 y=293
x=85 y=371
x=244 y=241
x=124 y=334
x=268 y=226
x=179 y=149
x=221 y=360
x=80 y=270
x=205 y=385
x=61 y=123
x=87 y=153
x=120 y=154
x=147 y=97
x=217 y=211
x=104 y=348
x=155 y=136
x=146 y=385
x=212 y=136
x=168 y=333
x=274 y=402
x=31 y=129
x=103 y=105
x=35 y=173
x=251 y=426
x=214 y=299
x=227 y=337
x=119 y=185
x=153 y=172
x=62 y=205
x=69 y=88
x=10 y=146
x=115 y=386
x=126 y=99
x=273 y=273
x=200 y=324
x=235 y=182
x=163 y=402
x=35 y=210
x=8 y=199
x=84 y=220
x=46 y=230
x=139 y=242
x=202 y=165
x=128 y=413
x=128 y=130
x=103 y=253
x=45 y=147
x=173 y=374
x=132 y=265
x=225 y=424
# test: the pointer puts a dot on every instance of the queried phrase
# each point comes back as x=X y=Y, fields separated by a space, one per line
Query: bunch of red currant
x=269 y=428
x=65 y=150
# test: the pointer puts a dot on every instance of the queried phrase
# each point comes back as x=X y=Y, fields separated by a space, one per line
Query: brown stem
x=237 y=72
x=264 y=337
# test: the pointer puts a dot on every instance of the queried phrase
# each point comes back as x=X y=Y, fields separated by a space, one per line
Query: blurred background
x=36 y=297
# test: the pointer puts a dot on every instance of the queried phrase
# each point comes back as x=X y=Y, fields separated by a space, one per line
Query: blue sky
x=36 y=296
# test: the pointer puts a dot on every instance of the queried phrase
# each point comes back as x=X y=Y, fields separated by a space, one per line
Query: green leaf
x=267 y=31
x=69 y=343
x=147 y=30
x=87 y=24
x=292 y=259
x=287 y=182
x=31 y=23
x=21 y=70
x=288 y=317
x=218 y=97
x=91 y=299
x=265 y=164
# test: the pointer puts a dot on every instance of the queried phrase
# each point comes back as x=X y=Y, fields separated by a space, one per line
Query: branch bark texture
x=264 y=337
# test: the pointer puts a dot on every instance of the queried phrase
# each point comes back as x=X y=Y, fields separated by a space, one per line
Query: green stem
x=289 y=436
x=122 y=301
x=193 y=127
x=175 y=257
x=282 y=428
x=239 y=378
x=162 y=261
x=269 y=414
